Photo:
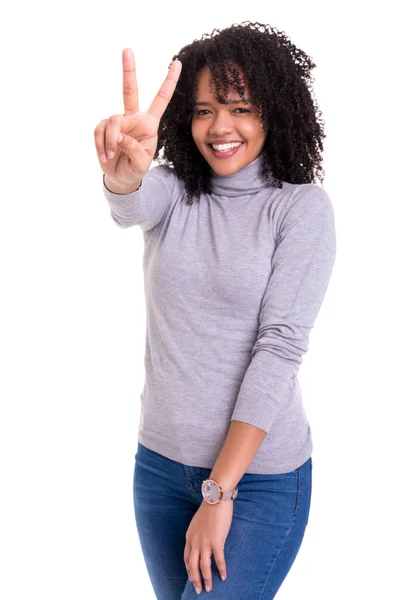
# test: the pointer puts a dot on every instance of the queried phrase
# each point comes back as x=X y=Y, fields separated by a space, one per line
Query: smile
x=225 y=150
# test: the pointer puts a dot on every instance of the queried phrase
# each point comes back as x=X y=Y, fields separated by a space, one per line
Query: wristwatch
x=213 y=493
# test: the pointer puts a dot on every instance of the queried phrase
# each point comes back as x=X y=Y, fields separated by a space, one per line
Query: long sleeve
x=301 y=267
x=148 y=205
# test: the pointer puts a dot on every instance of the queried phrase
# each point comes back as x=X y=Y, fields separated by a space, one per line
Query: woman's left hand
x=205 y=536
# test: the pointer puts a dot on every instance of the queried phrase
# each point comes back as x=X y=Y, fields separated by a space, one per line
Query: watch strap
x=229 y=495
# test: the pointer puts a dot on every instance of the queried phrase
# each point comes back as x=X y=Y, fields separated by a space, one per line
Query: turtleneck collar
x=242 y=183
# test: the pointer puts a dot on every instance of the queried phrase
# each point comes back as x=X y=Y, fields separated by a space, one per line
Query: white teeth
x=226 y=147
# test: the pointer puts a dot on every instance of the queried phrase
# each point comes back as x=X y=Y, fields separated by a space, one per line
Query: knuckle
x=206 y=559
x=110 y=146
x=99 y=131
x=194 y=570
x=163 y=94
x=99 y=147
x=114 y=119
x=129 y=91
x=129 y=142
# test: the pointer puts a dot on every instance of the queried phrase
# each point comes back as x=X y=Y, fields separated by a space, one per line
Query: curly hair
x=277 y=76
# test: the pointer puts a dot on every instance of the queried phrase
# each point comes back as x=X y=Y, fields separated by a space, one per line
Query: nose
x=221 y=124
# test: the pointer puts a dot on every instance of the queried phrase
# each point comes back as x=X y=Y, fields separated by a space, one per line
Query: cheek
x=196 y=134
x=252 y=130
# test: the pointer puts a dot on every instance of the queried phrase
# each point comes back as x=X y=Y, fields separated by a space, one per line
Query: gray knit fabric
x=233 y=285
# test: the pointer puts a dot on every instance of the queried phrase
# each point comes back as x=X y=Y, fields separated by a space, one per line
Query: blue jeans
x=270 y=515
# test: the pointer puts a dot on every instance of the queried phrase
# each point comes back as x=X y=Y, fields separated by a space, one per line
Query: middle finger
x=166 y=91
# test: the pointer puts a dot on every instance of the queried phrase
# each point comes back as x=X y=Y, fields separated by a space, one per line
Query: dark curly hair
x=277 y=75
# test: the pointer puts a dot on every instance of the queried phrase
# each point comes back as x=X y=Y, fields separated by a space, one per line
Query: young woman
x=239 y=246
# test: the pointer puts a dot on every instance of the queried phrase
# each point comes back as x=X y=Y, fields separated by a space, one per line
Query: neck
x=246 y=181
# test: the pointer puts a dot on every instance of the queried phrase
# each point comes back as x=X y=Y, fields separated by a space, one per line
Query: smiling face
x=229 y=135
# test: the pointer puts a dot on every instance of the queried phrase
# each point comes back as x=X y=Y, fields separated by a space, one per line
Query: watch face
x=211 y=491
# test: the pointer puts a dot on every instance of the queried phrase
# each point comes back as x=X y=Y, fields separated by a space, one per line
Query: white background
x=72 y=307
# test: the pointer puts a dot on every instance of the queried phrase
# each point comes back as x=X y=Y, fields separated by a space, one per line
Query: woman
x=239 y=246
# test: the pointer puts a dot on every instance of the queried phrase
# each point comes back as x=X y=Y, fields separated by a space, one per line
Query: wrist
x=207 y=506
x=117 y=188
x=213 y=493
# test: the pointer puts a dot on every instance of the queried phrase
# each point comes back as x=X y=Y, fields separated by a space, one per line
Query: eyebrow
x=225 y=102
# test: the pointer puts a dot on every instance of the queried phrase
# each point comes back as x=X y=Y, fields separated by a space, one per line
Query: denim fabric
x=270 y=516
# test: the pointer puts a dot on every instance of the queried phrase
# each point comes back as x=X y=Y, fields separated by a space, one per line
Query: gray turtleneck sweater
x=233 y=285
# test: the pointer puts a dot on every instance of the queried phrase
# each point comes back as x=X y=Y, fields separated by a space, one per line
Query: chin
x=226 y=169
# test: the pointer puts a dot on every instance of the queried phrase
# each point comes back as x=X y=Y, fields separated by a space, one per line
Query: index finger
x=130 y=86
x=166 y=91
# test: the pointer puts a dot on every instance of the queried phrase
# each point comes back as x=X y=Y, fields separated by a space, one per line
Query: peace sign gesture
x=126 y=144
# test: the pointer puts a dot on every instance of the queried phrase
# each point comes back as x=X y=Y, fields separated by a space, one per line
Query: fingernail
x=103 y=158
x=223 y=577
x=198 y=590
x=110 y=154
x=121 y=137
x=208 y=589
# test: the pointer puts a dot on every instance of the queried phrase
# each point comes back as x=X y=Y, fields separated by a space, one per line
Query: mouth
x=225 y=150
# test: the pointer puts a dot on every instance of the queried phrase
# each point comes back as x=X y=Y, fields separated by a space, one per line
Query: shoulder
x=307 y=199
x=302 y=211
x=306 y=195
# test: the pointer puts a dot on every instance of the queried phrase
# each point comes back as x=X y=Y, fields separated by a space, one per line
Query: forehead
x=206 y=86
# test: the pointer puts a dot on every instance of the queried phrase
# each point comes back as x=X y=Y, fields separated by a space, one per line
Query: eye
x=243 y=110
x=200 y=113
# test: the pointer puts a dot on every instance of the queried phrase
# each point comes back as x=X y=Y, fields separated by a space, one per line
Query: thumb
x=140 y=160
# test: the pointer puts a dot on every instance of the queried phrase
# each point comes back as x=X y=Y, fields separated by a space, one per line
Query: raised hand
x=126 y=144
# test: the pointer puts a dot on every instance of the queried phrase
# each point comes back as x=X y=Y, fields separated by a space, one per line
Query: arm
x=300 y=272
x=239 y=449
x=145 y=206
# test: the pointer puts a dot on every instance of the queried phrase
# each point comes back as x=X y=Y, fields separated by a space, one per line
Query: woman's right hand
x=126 y=162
